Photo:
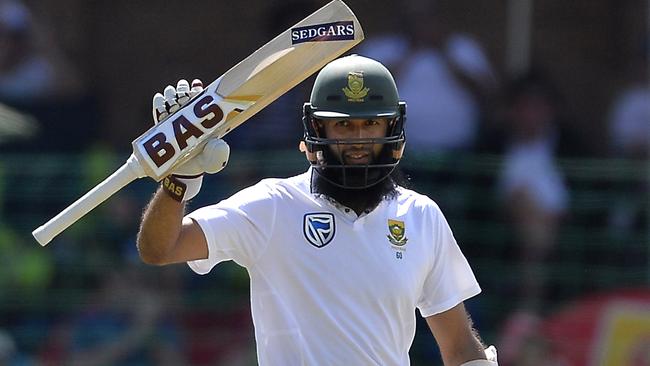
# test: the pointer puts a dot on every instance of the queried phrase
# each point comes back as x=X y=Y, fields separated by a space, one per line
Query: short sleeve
x=237 y=228
x=451 y=280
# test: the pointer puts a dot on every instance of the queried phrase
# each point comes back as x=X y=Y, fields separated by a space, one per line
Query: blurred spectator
x=629 y=128
x=7 y=348
x=24 y=72
x=535 y=198
x=29 y=69
x=629 y=122
x=129 y=321
x=445 y=77
x=448 y=84
x=37 y=79
x=9 y=353
x=629 y=117
x=389 y=48
x=530 y=182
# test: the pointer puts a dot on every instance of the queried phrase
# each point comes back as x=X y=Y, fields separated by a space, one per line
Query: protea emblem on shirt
x=319 y=228
x=355 y=91
x=396 y=233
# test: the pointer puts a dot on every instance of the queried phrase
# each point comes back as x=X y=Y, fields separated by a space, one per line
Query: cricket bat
x=224 y=104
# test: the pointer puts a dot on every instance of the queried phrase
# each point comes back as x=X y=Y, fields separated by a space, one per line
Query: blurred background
x=528 y=123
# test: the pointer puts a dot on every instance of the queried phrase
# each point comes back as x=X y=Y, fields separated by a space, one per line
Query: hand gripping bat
x=237 y=95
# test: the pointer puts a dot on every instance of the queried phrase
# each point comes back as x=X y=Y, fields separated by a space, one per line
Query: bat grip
x=127 y=173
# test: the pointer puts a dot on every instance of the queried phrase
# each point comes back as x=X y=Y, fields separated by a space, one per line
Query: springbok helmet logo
x=355 y=91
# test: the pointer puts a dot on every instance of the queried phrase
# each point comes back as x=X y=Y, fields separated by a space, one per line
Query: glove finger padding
x=197 y=87
x=182 y=92
x=171 y=101
x=173 y=98
x=159 y=111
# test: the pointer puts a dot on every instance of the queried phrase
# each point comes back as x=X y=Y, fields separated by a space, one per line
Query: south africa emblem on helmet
x=396 y=233
x=355 y=91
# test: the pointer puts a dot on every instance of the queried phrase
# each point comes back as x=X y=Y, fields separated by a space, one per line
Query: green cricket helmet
x=354 y=87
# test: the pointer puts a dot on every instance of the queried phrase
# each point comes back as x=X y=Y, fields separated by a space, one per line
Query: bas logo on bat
x=336 y=31
x=160 y=150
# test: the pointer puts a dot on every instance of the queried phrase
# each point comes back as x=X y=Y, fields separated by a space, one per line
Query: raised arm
x=165 y=236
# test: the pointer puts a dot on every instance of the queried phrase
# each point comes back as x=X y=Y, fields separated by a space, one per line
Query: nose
x=357 y=133
x=359 y=129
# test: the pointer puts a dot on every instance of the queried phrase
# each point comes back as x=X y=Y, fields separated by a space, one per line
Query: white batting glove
x=186 y=180
x=490 y=354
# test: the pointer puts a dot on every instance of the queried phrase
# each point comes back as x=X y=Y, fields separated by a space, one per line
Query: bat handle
x=127 y=173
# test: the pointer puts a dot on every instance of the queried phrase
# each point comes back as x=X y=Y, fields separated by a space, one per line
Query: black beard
x=359 y=200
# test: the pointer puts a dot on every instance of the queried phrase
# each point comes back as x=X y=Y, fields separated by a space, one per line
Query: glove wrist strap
x=182 y=188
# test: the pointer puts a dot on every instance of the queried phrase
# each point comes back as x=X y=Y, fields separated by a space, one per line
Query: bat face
x=248 y=87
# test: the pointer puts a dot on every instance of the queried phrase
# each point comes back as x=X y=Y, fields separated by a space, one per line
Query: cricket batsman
x=340 y=256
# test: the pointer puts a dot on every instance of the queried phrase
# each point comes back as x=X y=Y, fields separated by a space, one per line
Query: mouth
x=356 y=157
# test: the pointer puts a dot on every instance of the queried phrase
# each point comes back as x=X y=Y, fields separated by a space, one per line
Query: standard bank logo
x=337 y=31
x=319 y=228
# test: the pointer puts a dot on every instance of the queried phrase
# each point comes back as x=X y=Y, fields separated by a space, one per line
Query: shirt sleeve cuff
x=427 y=311
x=203 y=266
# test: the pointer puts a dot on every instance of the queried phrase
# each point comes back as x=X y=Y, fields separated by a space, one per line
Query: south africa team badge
x=397 y=233
x=319 y=228
x=355 y=91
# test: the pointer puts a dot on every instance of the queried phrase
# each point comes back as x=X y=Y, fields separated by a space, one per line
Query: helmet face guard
x=322 y=157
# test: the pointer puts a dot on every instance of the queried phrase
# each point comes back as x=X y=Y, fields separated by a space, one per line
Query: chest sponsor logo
x=397 y=233
x=319 y=228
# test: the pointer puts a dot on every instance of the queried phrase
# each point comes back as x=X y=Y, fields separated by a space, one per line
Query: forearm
x=160 y=228
x=470 y=350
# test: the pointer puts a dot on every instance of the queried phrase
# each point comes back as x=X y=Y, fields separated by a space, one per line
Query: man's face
x=351 y=129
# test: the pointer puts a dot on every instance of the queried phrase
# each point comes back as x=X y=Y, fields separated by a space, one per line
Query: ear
x=311 y=156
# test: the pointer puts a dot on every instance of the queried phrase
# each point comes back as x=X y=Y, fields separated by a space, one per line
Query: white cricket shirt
x=331 y=288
